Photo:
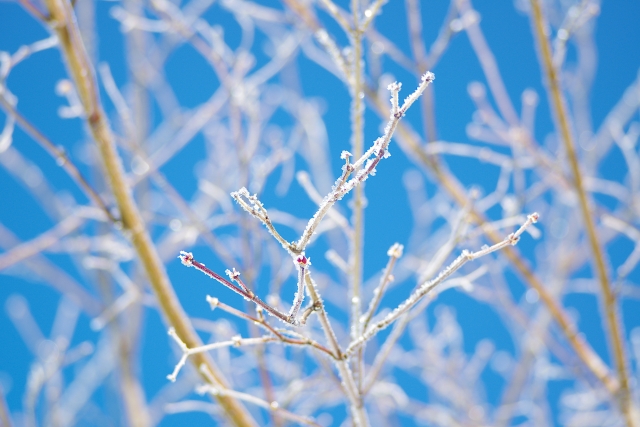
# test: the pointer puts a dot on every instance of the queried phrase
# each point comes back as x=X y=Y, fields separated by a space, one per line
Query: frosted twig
x=302 y=263
x=236 y=341
x=330 y=46
x=282 y=335
x=379 y=149
x=252 y=205
x=365 y=166
x=273 y=406
x=632 y=233
x=577 y=16
x=338 y=14
x=428 y=286
x=305 y=182
x=8 y=62
x=394 y=253
x=188 y=260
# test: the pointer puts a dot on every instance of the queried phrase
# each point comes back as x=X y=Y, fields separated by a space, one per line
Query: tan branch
x=63 y=22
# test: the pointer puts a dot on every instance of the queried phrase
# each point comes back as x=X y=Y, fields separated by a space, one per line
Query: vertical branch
x=63 y=22
x=357 y=138
x=609 y=298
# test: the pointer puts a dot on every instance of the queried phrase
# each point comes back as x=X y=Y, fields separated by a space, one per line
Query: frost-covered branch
x=365 y=166
x=252 y=205
x=428 y=286
x=394 y=253
x=236 y=341
x=302 y=263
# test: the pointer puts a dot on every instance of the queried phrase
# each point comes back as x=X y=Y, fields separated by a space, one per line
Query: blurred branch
x=57 y=278
x=58 y=154
x=41 y=243
x=609 y=298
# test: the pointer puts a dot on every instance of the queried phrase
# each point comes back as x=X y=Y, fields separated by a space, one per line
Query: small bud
x=232 y=274
x=303 y=261
x=395 y=250
x=186 y=258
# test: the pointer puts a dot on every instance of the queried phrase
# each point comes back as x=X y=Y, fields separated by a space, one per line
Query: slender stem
x=609 y=297
x=394 y=253
x=188 y=260
x=283 y=335
x=349 y=386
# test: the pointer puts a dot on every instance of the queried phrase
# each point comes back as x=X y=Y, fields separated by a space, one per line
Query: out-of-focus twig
x=58 y=154
x=42 y=242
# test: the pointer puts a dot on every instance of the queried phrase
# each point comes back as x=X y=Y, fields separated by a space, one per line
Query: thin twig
x=394 y=253
x=188 y=260
x=236 y=341
x=283 y=335
x=379 y=149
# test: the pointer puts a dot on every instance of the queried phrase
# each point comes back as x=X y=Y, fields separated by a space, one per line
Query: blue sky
x=508 y=33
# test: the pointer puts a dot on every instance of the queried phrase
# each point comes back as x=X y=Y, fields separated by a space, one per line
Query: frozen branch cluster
x=523 y=226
